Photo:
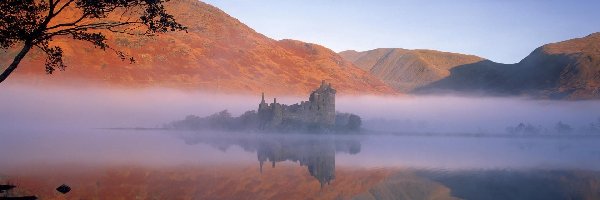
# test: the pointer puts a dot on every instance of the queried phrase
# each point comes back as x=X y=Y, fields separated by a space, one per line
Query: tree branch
x=93 y=26
x=29 y=22
x=16 y=61
x=69 y=24
x=63 y=7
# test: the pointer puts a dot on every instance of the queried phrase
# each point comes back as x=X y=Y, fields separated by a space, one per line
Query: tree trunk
x=16 y=61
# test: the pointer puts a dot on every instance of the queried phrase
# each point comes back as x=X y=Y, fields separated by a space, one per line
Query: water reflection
x=317 y=153
x=445 y=167
x=229 y=166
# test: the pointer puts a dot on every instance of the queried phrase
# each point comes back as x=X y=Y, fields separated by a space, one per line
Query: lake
x=159 y=164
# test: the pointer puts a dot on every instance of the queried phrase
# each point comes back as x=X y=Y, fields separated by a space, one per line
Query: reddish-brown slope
x=219 y=53
x=405 y=69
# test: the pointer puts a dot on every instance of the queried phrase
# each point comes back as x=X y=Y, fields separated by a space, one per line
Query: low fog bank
x=253 y=121
x=26 y=107
x=102 y=148
x=474 y=115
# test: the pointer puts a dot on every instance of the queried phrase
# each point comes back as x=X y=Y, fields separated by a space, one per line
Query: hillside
x=218 y=54
x=563 y=70
x=406 y=70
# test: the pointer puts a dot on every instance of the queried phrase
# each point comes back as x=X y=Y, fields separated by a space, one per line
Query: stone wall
x=319 y=110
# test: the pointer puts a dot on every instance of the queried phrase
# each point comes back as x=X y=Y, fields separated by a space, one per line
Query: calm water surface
x=151 y=164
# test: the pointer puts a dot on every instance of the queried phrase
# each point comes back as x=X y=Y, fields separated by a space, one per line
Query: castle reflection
x=317 y=153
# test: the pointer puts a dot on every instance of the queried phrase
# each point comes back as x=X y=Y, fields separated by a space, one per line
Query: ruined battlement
x=319 y=110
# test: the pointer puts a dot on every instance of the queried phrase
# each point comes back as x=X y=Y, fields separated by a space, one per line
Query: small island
x=317 y=115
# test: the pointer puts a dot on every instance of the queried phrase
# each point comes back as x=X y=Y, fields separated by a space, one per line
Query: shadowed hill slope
x=563 y=70
x=406 y=70
x=218 y=54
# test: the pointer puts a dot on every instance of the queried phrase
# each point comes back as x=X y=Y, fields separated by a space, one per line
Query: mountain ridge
x=405 y=69
x=218 y=54
x=568 y=69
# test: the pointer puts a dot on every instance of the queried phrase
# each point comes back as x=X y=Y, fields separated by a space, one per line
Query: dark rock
x=63 y=189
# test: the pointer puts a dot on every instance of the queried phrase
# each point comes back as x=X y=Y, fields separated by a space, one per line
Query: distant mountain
x=406 y=70
x=563 y=70
x=218 y=54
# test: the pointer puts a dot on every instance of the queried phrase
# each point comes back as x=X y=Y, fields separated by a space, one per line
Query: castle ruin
x=318 y=111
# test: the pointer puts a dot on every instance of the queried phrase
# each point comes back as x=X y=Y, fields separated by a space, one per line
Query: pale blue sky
x=503 y=31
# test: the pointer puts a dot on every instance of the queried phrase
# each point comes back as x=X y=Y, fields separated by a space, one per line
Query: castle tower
x=318 y=110
x=277 y=113
x=263 y=105
x=323 y=99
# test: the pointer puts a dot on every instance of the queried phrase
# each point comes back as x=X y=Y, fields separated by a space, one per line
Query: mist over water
x=28 y=107
x=67 y=108
x=445 y=139
x=460 y=114
x=71 y=114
